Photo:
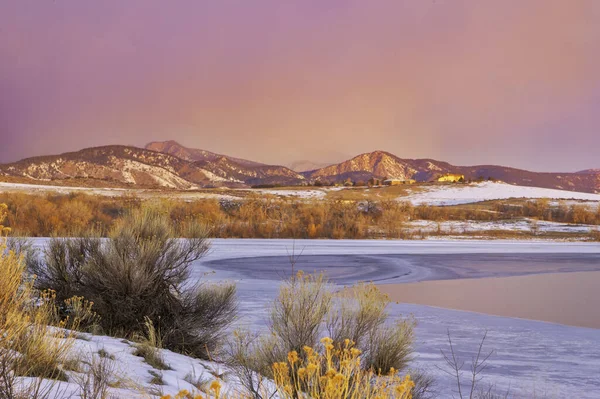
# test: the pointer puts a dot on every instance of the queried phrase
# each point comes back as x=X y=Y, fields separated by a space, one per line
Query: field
x=480 y=210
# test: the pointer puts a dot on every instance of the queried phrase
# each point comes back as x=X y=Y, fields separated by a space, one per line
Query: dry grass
x=149 y=347
x=28 y=346
x=355 y=212
x=97 y=378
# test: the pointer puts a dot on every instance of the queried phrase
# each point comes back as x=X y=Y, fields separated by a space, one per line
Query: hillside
x=229 y=168
x=120 y=165
x=192 y=154
x=381 y=164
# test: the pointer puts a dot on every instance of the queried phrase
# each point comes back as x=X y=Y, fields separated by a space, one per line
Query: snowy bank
x=476 y=192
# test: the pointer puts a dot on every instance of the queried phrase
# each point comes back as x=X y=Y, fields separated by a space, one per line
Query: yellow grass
x=28 y=347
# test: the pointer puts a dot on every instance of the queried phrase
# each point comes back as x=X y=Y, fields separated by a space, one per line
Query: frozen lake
x=531 y=357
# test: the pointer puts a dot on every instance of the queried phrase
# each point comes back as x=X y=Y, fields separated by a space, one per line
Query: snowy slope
x=476 y=192
x=133 y=377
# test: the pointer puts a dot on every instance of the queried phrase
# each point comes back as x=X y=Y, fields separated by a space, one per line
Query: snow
x=523 y=225
x=133 y=374
x=457 y=194
x=301 y=194
x=41 y=188
x=113 y=192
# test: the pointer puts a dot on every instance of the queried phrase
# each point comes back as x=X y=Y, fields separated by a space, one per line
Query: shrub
x=389 y=347
x=357 y=312
x=335 y=374
x=299 y=310
x=142 y=271
x=304 y=309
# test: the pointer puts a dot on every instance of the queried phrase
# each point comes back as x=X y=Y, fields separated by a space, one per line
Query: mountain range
x=168 y=164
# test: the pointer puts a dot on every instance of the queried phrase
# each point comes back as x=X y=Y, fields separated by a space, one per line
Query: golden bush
x=336 y=373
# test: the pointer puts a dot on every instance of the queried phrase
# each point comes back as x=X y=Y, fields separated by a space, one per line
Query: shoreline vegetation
x=77 y=214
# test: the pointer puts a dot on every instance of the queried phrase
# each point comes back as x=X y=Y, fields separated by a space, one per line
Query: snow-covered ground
x=35 y=188
x=293 y=193
x=522 y=225
x=530 y=357
x=457 y=194
x=131 y=377
x=115 y=192
x=228 y=194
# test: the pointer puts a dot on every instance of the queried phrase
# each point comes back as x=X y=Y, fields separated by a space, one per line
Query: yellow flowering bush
x=336 y=374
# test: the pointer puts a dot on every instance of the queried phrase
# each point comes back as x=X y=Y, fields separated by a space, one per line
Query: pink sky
x=469 y=82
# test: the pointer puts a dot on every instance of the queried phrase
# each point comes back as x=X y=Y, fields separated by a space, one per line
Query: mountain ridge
x=240 y=170
x=168 y=164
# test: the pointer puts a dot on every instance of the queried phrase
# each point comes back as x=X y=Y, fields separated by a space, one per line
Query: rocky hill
x=119 y=165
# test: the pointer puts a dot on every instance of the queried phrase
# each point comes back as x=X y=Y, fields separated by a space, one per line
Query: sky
x=470 y=82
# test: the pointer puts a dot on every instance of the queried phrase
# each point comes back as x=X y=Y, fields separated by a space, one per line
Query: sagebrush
x=142 y=271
